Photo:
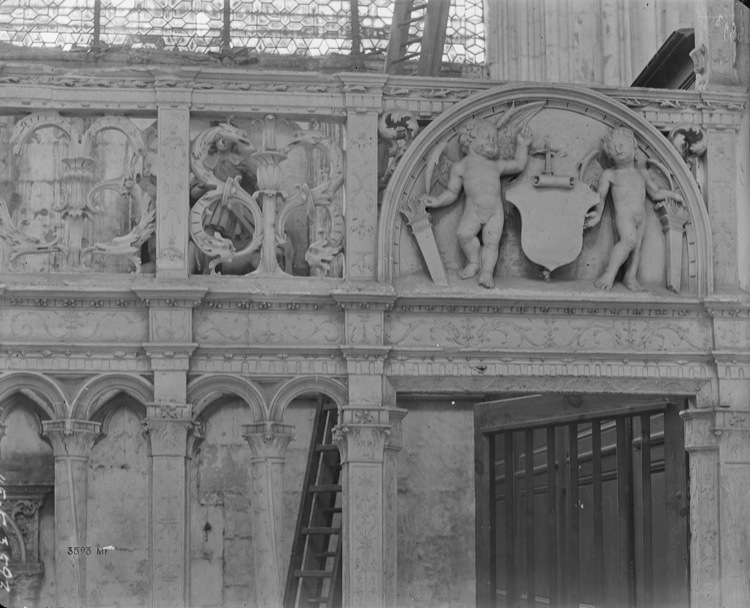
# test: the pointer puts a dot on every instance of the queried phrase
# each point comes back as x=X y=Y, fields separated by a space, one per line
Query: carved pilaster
x=369 y=438
x=72 y=441
x=268 y=442
x=722 y=204
x=173 y=197
x=702 y=446
x=169 y=427
x=363 y=95
x=715 y=51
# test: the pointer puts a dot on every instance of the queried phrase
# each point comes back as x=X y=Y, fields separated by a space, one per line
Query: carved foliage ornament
x=80 y=194
x=264 y=213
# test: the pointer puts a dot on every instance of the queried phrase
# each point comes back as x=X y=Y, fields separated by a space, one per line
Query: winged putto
x=491 y=151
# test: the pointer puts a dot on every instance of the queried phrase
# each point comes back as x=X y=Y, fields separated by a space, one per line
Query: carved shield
x=552 y=211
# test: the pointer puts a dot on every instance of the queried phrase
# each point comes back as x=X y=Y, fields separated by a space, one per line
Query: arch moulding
x=295 y=387
x=96 y=392
x=492 y=102
x=41 y=389
x=203 y=391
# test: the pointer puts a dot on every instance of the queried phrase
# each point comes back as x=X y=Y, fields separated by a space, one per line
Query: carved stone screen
x=307 y=27
x=76 y=194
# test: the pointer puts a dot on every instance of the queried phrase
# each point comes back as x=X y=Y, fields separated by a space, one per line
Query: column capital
x=700 y=430
x=169 y=427
x=71 y=438
x=364 y=433
x=268 y=439
x=363 y=93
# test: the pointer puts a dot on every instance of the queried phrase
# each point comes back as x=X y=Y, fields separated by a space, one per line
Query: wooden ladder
x=404 y=37
x=314 y=578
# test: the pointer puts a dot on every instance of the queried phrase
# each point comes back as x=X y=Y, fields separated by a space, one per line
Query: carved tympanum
x=245 y=198
x=81 y=195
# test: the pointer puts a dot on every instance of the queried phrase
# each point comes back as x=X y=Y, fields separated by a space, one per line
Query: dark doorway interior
x=581 y=501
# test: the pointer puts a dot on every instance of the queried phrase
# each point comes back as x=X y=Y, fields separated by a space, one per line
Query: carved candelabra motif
x=78 y=204
x=264 y=213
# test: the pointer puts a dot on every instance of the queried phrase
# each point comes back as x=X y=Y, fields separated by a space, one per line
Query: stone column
x=169 y=426
x=268 y=442
x=368 y=445
x=72 y=441
x=363 y=93
x=702 y=447
x=173 y=192
x=732 y=428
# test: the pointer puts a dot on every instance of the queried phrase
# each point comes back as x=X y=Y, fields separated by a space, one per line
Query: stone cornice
x=69 y=296
x=35 y=85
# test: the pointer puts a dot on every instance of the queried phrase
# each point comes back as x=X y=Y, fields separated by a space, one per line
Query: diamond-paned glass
x=305 y=27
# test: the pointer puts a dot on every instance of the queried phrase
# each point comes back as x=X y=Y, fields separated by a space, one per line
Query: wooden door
x=581 y=501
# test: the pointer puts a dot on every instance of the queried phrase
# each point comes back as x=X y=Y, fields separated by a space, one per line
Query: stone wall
x=436 y=505
x=118 y=496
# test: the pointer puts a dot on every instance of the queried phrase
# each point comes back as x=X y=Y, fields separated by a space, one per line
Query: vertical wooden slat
x=510 y=523
x=552 y=516
x=648 y=569
x=485 y=496
x=675 y=489
x=598 y=507
x=530 y=553
x=624 y=512
x=573 y=510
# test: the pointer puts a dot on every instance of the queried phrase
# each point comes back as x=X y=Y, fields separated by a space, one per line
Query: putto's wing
x=590 y=169
x=658 y=173
x=512 y=122
x=438 y=169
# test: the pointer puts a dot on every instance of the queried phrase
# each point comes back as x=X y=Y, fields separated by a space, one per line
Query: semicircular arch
x=594 y=105
x=300 y=386
x=97 y=391
x=41 y=389
x=203 y=391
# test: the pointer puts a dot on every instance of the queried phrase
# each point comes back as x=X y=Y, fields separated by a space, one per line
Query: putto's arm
x=455 y=183
x=518 y=163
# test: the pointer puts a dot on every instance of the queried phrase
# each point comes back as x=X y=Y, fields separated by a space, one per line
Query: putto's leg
x=467 y=231
x=491 y=234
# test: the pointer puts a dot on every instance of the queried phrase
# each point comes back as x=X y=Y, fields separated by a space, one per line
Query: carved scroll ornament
x=264 y=213
x=80 y=194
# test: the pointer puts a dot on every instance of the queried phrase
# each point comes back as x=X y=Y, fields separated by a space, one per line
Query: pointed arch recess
x=299 y=386
x=97 y=391
x=205 y=390
x=592 y=103
x=41 y=389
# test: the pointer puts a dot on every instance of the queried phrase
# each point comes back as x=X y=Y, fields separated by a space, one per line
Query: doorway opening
x=581 y=501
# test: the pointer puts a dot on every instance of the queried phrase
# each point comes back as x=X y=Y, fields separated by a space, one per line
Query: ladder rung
x=326 y=554
x=318 y=600
x=411 y=41
x=418 y=7
x=326 y=447
x=325 y=488
x=313 y=573
x=331 y=510
x=321 y=530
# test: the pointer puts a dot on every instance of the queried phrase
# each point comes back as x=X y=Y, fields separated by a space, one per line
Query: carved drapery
x=72 y=441
x=268 y=443
x=169 y=427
